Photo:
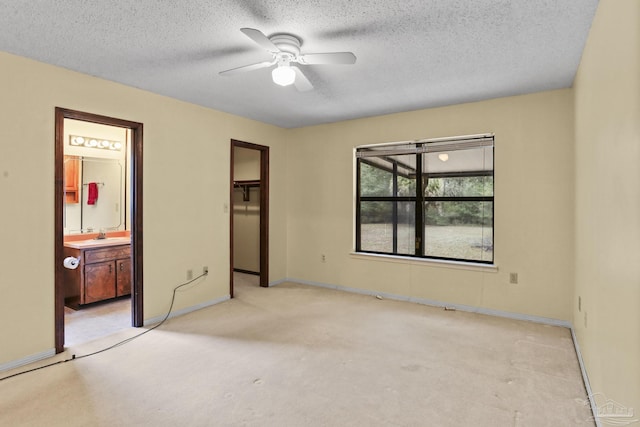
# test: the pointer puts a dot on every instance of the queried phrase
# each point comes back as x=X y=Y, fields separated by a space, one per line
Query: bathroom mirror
x=94 y=195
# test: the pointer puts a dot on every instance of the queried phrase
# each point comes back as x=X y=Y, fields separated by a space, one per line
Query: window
x=428 y=199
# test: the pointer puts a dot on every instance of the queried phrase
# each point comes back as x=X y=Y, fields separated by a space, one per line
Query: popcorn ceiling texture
x=412 y=54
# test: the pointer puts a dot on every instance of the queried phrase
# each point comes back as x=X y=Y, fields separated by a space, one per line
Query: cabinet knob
x=110 y=268
x=120 y=266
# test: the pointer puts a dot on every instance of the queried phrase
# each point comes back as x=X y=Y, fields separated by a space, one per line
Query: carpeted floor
x=296 y=355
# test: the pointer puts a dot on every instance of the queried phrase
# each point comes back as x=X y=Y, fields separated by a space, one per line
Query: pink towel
x=93 y=193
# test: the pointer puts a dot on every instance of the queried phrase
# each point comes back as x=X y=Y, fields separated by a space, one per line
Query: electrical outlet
x=189 y=274
x=323 y=258
x=579 y=303
x=205 y=270
x=513 y=278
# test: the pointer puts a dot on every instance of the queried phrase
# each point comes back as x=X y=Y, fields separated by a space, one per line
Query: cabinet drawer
x=107 y=254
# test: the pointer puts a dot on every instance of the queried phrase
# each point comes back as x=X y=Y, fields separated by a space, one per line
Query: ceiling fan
x=285 y=50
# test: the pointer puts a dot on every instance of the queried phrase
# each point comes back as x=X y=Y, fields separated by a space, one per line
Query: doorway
x=245 y=186
x=132 y=204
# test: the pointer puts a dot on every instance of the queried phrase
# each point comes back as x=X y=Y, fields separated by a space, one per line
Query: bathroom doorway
x=249 y=213
x=98 y=217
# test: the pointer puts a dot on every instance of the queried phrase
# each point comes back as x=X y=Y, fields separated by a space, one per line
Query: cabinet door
x=123 y=274
x=99 y=281
x=71 y=185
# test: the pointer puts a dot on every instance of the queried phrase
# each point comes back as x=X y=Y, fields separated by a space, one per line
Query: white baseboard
x=585 y=378
x=277 y=282
x=158 y=319
x=435 y=303
x=29 y=359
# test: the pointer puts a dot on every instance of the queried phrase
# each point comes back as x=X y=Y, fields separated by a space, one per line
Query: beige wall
x=533 y=205
x=246 y=164
x=186 y=191
x=607 y=100
x=246 y=230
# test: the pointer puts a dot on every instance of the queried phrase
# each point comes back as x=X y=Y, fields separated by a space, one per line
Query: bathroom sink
x=109 y=241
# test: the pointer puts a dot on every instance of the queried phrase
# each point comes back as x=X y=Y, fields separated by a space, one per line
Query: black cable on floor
x=118 y=344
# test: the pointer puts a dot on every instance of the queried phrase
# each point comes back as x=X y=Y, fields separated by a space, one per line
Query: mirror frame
x=122 y=211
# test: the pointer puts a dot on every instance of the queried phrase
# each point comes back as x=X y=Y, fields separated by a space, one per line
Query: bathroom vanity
x=104 y=271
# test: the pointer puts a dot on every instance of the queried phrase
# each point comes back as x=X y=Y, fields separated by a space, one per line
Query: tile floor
x=96 y=321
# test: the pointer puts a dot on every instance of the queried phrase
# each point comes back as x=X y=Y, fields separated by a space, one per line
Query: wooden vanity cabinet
x=123 y=277
x=99 y=282
x=103 y=273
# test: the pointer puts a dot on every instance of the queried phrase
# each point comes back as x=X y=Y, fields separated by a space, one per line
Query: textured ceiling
x=411 y=54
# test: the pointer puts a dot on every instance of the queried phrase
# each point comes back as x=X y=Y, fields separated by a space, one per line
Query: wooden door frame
x=137 y=317
x=264 y=211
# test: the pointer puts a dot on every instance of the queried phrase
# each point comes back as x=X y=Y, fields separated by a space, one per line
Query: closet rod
x=253 y=183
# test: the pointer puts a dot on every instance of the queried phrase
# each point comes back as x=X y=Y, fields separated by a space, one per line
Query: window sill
x=397 y=259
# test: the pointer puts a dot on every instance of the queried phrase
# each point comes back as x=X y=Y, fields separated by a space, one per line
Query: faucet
x=101 y=234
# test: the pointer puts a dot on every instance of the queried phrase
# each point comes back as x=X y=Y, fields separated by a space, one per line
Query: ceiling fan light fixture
x=283 y=75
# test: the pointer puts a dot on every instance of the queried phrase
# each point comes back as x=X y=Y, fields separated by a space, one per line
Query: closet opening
x=249 y=213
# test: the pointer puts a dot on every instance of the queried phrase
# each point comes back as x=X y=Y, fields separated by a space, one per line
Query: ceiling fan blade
x=301 y=82
x=327 y=58
x=258 y=37
x=246 y=68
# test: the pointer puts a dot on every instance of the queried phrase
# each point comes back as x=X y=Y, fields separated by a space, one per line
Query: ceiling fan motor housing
x=286 y=43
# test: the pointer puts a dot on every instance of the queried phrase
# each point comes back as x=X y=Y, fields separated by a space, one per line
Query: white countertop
x=95 y=243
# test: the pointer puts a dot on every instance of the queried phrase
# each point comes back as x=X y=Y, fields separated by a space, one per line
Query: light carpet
x=296 y=355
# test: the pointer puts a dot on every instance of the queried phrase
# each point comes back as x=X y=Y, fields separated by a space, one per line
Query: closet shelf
x=248 y=183
x=245 y=186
